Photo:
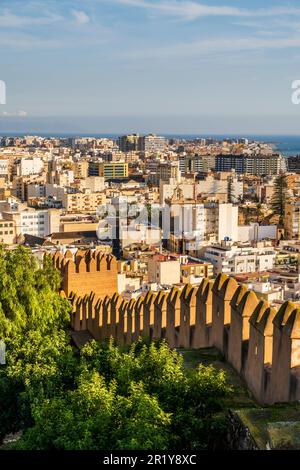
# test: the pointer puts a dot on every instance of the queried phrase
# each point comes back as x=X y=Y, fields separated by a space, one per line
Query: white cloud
x=10 y=20
x=17 y=40
x=20 y=113
x=187 y=9
x=191 y=10
x=219 y=45
x=80 y=17
x=23 y=41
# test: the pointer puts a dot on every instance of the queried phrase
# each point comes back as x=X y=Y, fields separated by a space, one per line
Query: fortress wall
x=286 y=354
x=223 y=291
x=148 y=317
x=242 y=305
x=203 y=327
x=87 y=271
x=187 y=316
x=138 y=319
x=260 y=352
x=129 y=324
x=173 y=317
x=261 y=343
x=160 y=316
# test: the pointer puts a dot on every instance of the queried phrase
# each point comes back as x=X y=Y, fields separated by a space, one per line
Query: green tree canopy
x=33 y=325
x=142 y=398
x=99 y=397
x=280 y=198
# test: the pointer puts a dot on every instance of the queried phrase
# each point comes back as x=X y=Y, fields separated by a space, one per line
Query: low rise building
x=232 y=258
x=39 y=223
x=8 y=232
x=292 y=220
x=83 y=202
x=193 y=272
x=139 y=233
x=164 y=270
x=109 y=170
x=262 y=286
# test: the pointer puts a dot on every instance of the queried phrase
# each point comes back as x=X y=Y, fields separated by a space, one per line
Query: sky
x=165 y=66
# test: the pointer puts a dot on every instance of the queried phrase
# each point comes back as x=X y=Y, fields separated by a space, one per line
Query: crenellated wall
x=87 y=271
x=261 y=343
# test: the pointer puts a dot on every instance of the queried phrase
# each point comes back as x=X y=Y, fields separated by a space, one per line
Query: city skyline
x=149 y=229
x=157 y=66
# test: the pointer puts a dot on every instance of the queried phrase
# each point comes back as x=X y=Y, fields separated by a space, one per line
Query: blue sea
x=287 y=145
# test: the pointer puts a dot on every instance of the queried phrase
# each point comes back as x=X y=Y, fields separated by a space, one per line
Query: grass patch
x=241 y=396
x=272 y=424
x=277 y=426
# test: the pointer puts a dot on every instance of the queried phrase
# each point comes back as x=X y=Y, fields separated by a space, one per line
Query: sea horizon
x=288 y=145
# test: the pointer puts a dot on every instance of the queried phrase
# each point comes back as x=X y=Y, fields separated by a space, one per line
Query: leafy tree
x=199 y=418
x=145 y=426
x=137 y=399
x=94 y=416
x=101 y=397
x=33 y=324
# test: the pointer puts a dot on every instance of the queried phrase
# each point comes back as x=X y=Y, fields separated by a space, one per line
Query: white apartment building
x=4 y=165
x=29 y=166
x=201 y=221
x=256 y=232
x=231 y=258
x=94 y=183
x=267 y=291
x=34 y=222
x=139 y=233
x=227 y=218
x=189 y=220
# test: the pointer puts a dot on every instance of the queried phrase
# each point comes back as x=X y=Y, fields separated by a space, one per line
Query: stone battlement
x=261 y=343
x=87 y=271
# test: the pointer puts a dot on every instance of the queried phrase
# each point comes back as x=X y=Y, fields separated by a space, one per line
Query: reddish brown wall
x=263 y=345
x=87 y=272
